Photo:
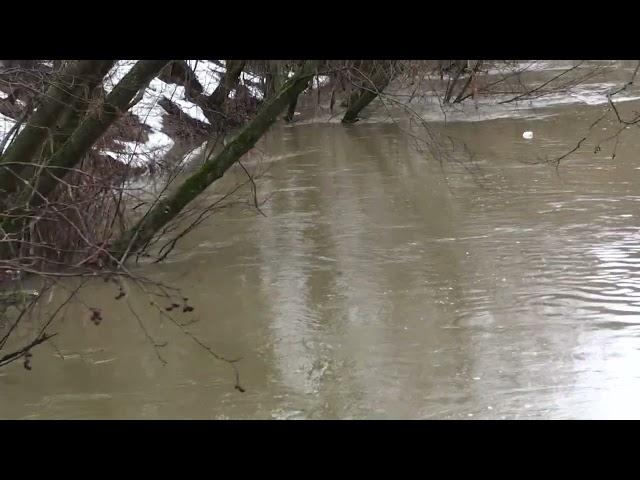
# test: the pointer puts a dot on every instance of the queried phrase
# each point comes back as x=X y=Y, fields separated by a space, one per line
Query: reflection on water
x=381 y=284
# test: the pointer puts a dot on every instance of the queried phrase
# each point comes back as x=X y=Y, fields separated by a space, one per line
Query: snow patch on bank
x=6 y=124
x=117 y=73
x=176 y=94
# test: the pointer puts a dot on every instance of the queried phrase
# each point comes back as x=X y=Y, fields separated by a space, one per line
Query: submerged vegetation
x=102 y=163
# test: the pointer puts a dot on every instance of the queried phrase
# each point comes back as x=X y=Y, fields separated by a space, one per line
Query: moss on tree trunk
x=227 y=83
x=77 y=146
x=372 y=86
x=93 y=127
x=167 y=209
x=72 y=116
x=291 y=112
x=59 y=97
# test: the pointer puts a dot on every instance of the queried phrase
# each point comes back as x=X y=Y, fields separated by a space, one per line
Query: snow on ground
x=176 y=94
x=209 y=73
x=247 y=77
x=152 y=114
x=117 y=73
x=323 y=80
x=148 y=110
x=6 y=124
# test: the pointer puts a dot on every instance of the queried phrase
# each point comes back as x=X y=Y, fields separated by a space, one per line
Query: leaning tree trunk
x=461 y=67
x=472 y=76
x=227 y=83
x=369 y=91
x=71 y=117
x=92 y=128
x=274 y=78
x=213 y=107
x=58 y=97
x=76 y=147
x=291 y=111
x=165 y=210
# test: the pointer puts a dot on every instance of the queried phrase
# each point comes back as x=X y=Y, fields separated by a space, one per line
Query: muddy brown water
x=382 y=284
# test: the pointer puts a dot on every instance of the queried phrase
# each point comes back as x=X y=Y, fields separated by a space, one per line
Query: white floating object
x=528 y=135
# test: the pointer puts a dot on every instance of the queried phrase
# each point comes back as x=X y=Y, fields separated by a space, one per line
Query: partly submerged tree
x=80 y=134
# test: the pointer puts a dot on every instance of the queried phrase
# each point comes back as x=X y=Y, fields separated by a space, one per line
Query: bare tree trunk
x=372 y=87
x=212 y=105
x=275 y=78
x=227 y=83
x=93 y=127
x=461 y=96
x=60 y=95
x=461 y=66
x=72 y=116
x=167 y=209
x=292 y=110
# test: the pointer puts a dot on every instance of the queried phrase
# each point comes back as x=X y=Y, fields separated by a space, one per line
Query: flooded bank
x=381 y=283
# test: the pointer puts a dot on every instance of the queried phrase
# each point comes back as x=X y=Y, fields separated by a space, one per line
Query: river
x=381 y=283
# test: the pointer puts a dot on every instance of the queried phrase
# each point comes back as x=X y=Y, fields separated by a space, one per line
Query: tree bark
x=227 y=83
x=41 y=123
x=370 y=90
x=291 y=112
x=274 y=78
x=167 y=209
x=180 y=73
x=461 y=66
x=461 y=96
x=72 y=116
x=94 y=126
